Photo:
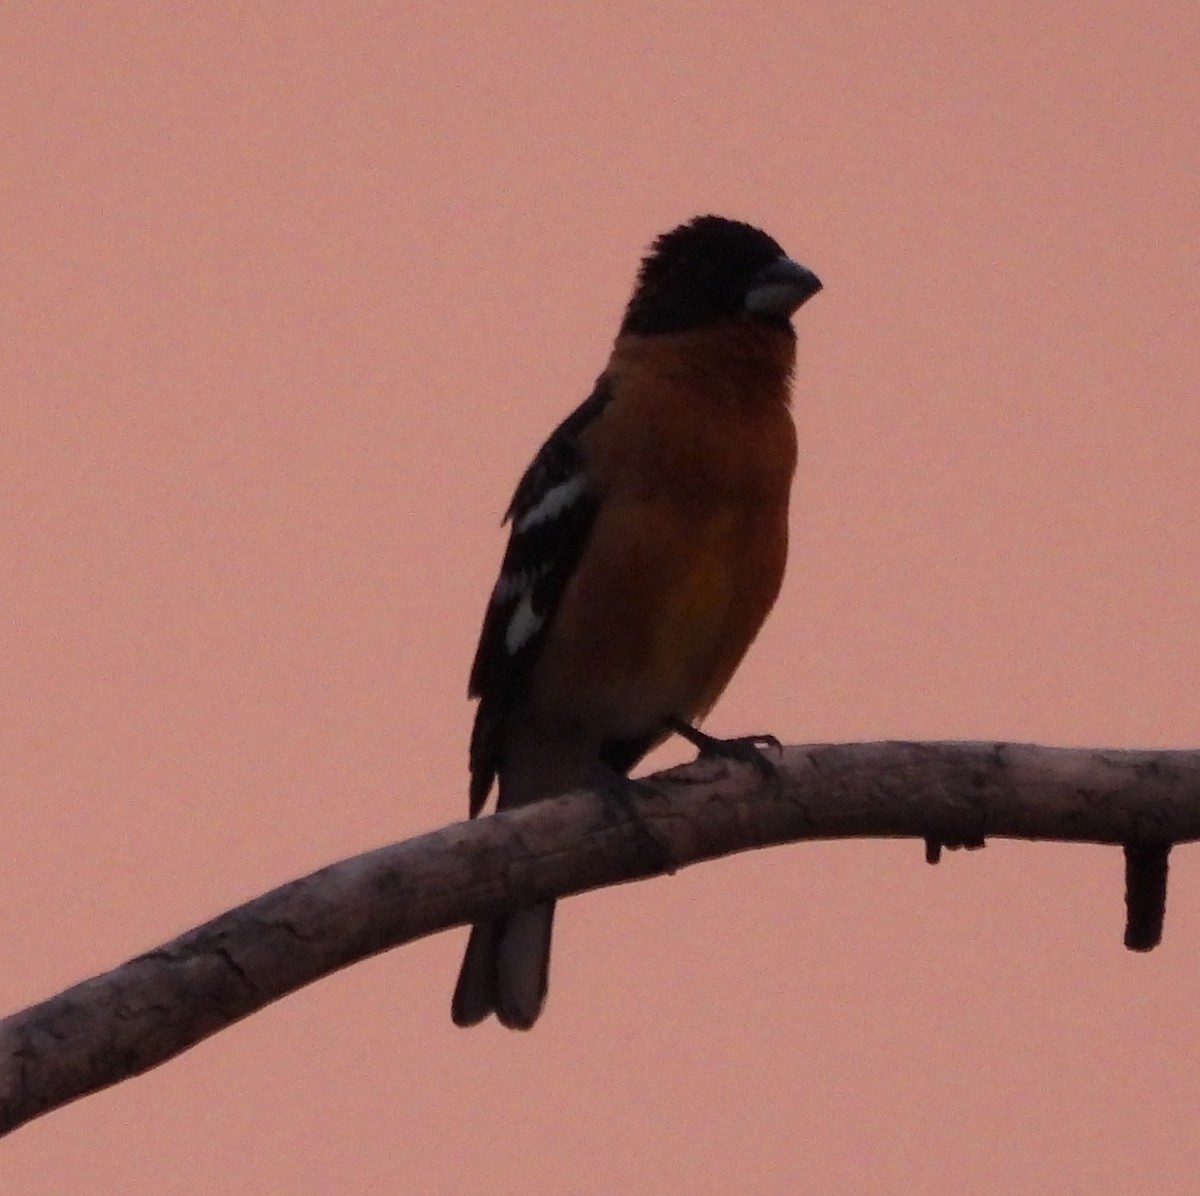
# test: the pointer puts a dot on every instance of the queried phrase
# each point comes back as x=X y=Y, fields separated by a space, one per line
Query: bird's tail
x=506 y=969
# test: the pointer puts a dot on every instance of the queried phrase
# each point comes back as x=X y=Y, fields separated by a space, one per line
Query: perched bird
x=648 y=543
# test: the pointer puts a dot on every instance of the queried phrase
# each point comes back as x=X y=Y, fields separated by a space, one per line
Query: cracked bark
x=155 y=1006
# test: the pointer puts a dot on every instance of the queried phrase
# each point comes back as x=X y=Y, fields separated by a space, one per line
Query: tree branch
x=144 y=1012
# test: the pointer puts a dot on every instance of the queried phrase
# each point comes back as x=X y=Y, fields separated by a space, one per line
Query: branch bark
x=155 y=1006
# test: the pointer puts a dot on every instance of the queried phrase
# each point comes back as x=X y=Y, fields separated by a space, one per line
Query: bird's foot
x=745 y=749
x=619 y=794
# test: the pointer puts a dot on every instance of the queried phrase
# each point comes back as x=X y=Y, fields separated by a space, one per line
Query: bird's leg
x=618 y=793
x=746 y=749
x=618 y=790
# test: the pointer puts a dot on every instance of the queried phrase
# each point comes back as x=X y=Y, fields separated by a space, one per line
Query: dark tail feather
x=506 y=969
x=475 y=993
x=523 y=965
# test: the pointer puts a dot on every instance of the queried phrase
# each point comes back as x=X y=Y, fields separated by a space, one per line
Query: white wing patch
x=523 y=624
x=510 y=585
x=556 y=500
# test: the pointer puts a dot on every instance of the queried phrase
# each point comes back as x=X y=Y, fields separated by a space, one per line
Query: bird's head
x=712 y=269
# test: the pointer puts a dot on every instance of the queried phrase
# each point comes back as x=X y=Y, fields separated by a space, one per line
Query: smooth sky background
x=291 y=293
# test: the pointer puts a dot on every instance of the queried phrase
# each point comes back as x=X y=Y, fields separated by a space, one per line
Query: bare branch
x=155 y=1006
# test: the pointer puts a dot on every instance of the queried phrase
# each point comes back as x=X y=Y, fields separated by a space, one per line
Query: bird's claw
x=745 y=749
x=618 y=793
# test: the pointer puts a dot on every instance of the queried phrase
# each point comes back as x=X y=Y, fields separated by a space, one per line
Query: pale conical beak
x=780 y=288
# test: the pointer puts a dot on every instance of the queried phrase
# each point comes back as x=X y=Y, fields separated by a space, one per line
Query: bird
x=647 y=544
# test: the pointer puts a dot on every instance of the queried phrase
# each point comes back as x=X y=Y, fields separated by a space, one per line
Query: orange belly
x=674 y=624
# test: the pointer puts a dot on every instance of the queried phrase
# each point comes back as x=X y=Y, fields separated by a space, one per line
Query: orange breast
x=692 y=461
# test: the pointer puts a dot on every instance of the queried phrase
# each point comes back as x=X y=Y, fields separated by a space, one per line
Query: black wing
x=551 y=514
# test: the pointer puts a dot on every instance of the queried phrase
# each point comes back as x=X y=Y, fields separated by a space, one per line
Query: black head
x=712 y=269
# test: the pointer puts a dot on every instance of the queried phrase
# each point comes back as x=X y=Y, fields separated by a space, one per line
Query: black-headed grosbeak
x=648 y=543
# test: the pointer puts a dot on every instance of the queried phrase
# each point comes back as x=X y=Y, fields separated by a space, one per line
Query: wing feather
x=551 y=515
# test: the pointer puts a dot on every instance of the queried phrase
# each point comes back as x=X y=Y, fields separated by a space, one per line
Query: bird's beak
x=780 y=288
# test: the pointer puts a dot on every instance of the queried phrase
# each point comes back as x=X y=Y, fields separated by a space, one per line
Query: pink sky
x=292 y=293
